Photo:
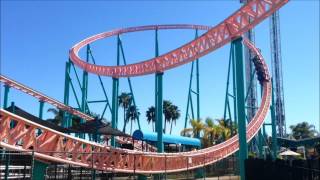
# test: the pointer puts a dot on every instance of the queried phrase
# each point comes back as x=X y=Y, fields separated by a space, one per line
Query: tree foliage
x=125 y=100
x=302 y=130
x=151 y=116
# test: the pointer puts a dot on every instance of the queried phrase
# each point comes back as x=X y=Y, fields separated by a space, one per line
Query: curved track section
x=55 y=146
x=238 y=23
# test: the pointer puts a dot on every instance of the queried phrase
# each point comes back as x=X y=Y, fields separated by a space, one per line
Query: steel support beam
x=114 y=114
x=41 y=104
x=6 y=96
x=190 y=91
x=66 y=122
x=84 y=89
x=158 y=100
x=243 y=148
x=189 y=97
x=198 y=84
x=234 y=85
x=227 y=103
x=159 y=119
x=129 y=80
x=273 y=126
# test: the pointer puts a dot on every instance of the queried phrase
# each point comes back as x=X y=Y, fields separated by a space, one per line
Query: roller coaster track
x=44 y=98
x=55 y=146
x=14 y=84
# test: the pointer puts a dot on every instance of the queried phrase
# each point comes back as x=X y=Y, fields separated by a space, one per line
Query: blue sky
x=36 y=37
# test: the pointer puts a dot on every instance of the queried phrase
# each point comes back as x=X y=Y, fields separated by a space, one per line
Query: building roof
x=20 y=112
x=96 y=127
x=169 y=139
x=91 y=127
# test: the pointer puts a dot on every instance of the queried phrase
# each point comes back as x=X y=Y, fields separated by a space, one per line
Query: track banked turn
x=55 y=146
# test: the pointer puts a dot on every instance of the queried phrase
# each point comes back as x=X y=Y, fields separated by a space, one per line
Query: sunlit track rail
x=41 y=97
x=232 y=27
x=55 y=146
x=11 y=83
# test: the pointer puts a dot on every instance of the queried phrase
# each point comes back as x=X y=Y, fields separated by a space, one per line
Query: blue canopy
x=169 y=139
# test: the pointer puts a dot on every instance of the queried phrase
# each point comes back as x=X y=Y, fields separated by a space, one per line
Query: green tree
x=151 y=116
x=197 y=127
x=125 y=101
x=175 y=115
x=302 y=130
x=211 y=132
x=225 y=128
x=132 y=115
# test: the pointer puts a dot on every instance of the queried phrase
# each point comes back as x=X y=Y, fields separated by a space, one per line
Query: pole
x=114 y=114
x=84 y=89
x=189 y=97
x=6 y=95
x=243 y=149
x=234 y=84
x=159 y=120
x=32 y=165
x=158 y=99
x=41 y=109
x=198 y=84
x=93 y=171
x=273 y=126
x=66 y=122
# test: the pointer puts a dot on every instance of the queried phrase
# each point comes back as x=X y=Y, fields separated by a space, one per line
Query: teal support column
x=5 y=104
x=243 y=149
x=41 y=104
x=66 y=118
x=6 y=96
x=234 y=85
x=39 y=170
x=226 y=102
x=273 y=128
x=264 y=131
x=198 y=85
x=114 y=114
x=158 y=100
x=159 y=120
x=261 y=143
x=84 y=89
x=189 y=97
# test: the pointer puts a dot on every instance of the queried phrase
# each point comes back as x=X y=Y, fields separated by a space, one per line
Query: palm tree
x=151 y=116
x=211 y=132
x=175 y=114
x=58 y=116
x=125 y=101
x=167 y=113
x=196 y=127
x=225 y=127
x=132 y=115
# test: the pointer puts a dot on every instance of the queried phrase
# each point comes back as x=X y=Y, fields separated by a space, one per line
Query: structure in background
x=276 y=68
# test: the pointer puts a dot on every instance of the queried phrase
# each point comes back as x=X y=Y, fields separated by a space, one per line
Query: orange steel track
x=55 y=146
x=14 y=84
x=44 y=98
x=234 y=26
